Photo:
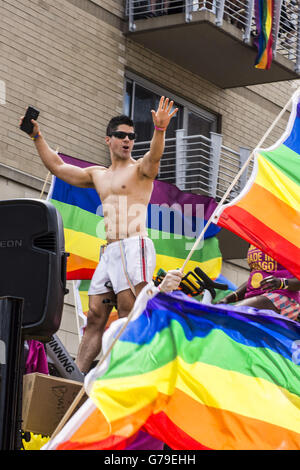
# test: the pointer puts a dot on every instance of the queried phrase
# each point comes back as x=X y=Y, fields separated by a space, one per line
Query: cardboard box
x=46 y=400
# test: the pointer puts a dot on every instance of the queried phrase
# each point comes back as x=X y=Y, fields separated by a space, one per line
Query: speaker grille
x=46 y=242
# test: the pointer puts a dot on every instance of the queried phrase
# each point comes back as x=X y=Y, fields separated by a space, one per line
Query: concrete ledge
x=239 y=263
x=24 y=178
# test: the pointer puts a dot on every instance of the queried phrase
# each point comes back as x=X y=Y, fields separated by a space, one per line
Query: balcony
x=199 y=164
x=214 y=38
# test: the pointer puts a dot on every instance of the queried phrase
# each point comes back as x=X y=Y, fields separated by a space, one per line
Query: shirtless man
x=125 y=189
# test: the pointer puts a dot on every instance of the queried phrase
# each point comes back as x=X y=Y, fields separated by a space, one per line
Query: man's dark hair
x=117 y=121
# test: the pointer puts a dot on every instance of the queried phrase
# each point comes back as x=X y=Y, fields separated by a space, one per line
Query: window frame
x=187 y=106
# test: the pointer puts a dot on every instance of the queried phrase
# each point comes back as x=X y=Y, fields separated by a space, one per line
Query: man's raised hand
x=164 y=113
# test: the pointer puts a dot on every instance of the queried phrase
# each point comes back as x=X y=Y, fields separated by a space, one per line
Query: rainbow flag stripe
x=264 y=40
x=197 y=377
x=172 y=231
x=267 y=212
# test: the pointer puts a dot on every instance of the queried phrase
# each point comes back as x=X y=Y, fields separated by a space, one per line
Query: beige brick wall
x=10 y=189
x=68 y=64
x=114 y=6
x=277 y=92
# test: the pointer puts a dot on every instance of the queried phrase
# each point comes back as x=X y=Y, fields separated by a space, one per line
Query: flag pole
x=241 y=171
x=45 y=183
x=46 y=180
x=76 y=310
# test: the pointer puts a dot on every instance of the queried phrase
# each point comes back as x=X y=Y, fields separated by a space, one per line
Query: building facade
x=79 y=63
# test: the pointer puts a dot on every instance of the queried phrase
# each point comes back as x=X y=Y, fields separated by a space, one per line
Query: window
x=139 y=98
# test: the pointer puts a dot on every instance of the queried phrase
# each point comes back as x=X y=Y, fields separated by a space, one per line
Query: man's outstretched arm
x=149 y=164
x=71 y=174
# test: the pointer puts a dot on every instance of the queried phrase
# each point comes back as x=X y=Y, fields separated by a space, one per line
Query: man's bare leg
x=98 y=314
x=126 y=299
x=91 y=342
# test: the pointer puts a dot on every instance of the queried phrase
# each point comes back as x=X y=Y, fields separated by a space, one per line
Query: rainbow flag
x=174 y=220
x=264 y=10
x=267 y=212
x=195 y=376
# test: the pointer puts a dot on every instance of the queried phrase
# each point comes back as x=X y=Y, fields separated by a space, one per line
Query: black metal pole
x=11 y=372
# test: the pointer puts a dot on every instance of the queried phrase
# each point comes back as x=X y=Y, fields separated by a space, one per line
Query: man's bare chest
x=118 y=183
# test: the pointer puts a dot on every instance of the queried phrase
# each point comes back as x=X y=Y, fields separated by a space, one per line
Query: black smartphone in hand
x=26 y=125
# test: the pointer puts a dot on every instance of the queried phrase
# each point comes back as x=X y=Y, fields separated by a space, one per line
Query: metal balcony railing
x=199 y=164
x=240 y=13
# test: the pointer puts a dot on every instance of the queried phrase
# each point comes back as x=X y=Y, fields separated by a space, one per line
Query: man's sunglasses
x=122 y=135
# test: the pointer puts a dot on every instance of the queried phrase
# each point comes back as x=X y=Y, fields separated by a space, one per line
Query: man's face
x=121 y=145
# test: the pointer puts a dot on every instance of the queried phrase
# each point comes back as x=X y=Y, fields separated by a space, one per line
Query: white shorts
x=123 y=265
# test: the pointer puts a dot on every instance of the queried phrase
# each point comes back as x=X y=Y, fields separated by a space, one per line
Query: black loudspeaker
x=33 y=263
